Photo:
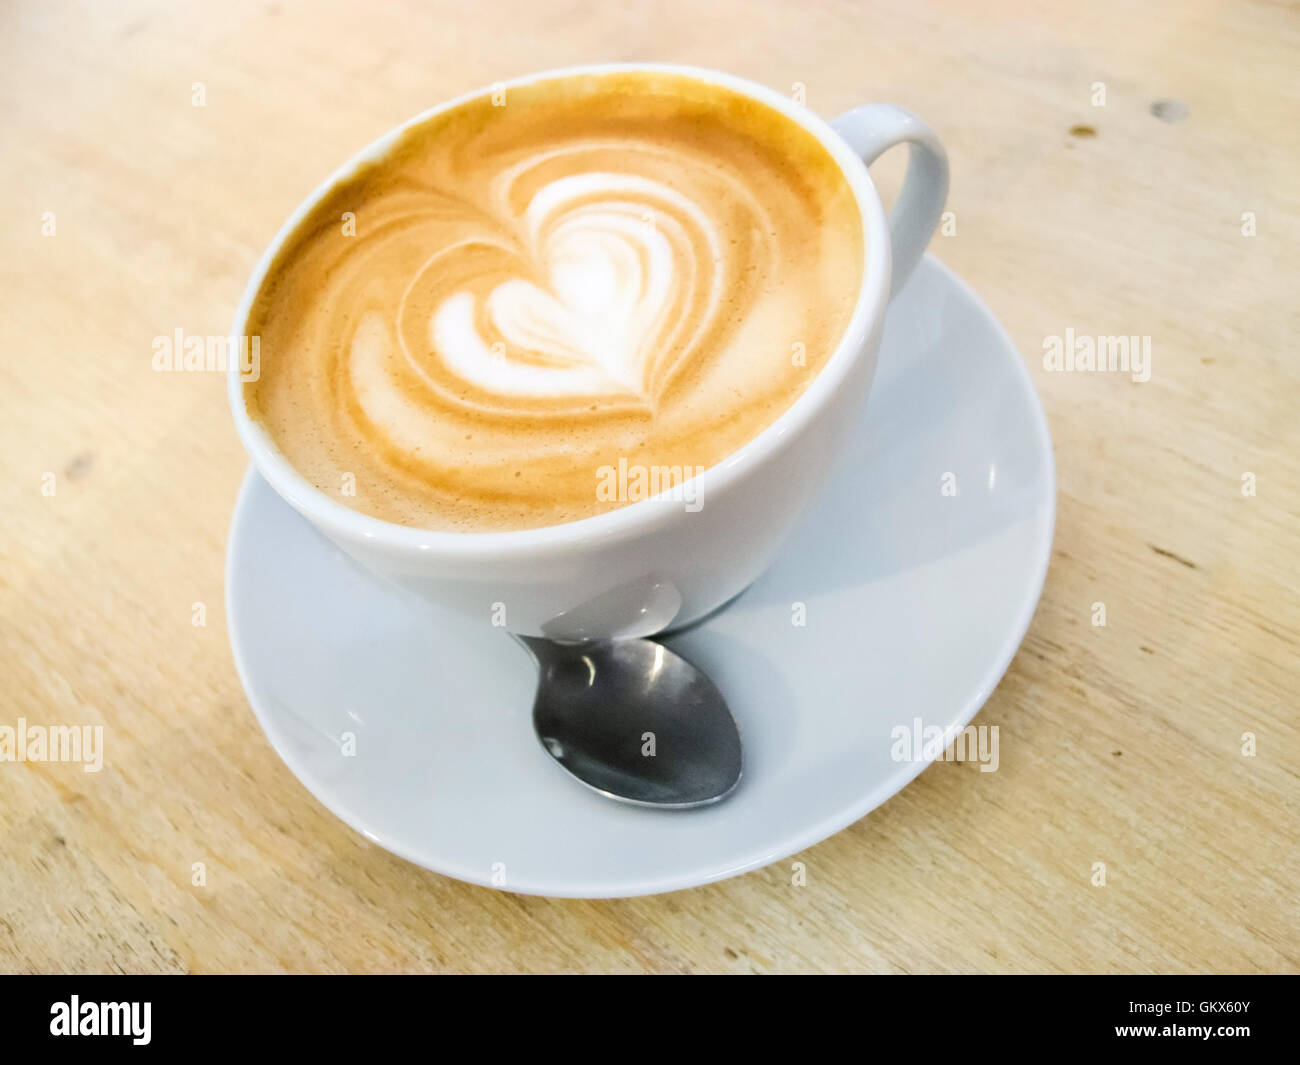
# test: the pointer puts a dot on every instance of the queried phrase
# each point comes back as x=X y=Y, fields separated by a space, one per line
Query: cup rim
x=634 y=518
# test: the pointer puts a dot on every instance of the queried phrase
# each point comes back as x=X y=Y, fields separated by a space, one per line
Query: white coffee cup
x=651 y=565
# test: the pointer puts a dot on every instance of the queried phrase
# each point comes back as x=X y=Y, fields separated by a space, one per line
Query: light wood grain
x=1120 y=744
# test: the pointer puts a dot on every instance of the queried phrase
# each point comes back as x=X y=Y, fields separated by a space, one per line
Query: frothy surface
x=635 y=267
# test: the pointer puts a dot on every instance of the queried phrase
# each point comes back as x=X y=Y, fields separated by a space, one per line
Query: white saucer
x=915 y=603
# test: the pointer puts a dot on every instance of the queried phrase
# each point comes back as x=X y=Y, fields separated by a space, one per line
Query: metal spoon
x=635 y=722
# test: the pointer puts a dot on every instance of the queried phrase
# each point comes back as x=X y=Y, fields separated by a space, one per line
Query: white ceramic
x=914 y=601
x=648 y=567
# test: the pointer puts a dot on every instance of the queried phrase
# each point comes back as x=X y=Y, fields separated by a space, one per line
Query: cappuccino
x=602 y=271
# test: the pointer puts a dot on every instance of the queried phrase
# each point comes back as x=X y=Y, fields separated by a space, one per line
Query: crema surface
x=602 y=272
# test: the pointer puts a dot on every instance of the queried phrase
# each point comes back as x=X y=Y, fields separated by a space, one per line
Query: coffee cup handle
x=871 y=131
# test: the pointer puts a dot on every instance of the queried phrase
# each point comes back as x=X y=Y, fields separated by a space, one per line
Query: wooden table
x=129 y=211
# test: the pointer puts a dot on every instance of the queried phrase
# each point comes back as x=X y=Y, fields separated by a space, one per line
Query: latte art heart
x=609 y=267
x=630 y=272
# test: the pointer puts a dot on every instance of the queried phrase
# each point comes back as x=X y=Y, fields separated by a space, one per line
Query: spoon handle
x=542 y=649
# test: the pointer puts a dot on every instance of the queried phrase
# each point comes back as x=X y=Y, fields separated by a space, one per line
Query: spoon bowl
x=635 y=722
